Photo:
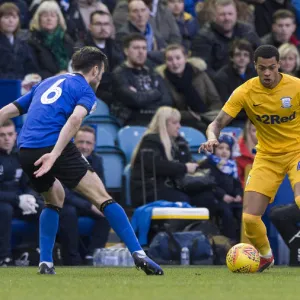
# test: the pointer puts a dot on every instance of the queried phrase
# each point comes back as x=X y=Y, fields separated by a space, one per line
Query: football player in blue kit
x=55 y=110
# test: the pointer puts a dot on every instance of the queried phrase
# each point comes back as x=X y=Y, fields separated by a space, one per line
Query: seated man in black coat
x=75 y=205
x=17 y=199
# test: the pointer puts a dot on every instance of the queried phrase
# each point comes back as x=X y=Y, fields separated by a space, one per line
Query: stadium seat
x=101 y=109
x=110 y=124
x=126 y=185
x=10 y=90
x=113 y=163
x=104 y=138
x=236 y=131
x=128 y=137
x=193 y=136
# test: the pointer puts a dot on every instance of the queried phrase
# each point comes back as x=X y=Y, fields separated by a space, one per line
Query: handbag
x=197 y=182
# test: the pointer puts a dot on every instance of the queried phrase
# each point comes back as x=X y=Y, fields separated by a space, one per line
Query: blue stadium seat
x=110 y=124
x=126 y=185
x=104 y=138
x=193 y=136
x=236 y=131
x=10 y=90
x=101 y=109
x=128 y=137
x=113 y=163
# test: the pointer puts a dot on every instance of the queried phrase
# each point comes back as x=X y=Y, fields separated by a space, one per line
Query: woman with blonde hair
x=289 y=59
x=51 y=45
x=164 y=149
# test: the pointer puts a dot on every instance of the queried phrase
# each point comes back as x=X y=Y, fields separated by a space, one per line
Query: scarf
x=149 y=37
x=184 y=85
x=55 y=42
x=226 y=166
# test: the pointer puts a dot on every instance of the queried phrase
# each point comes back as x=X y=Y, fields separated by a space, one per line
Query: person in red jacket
x=246 y=144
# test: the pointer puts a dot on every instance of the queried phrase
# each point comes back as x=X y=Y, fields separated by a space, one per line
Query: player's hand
x=208 y=146
x=46 y=162
x=228 y=199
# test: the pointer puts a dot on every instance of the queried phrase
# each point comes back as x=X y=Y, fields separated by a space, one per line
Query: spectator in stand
x=75 y=205
x=237 y=71
x=78 y=16
x=138 y=22
x=187 y=25
x=100 y=35
x=289 y=59
x=161 y=20
x=228 y=190
x=24 y=14
x=17 y=200
x=263 y=12
x=138 y=89
x=51 y=45
x=234 y=73
x=192 y=91
x=16 y=59
x=212 y=42
x=283 y=29
x=172 y=160
x=246 y=144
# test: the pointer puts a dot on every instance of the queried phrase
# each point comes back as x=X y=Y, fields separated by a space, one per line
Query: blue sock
x=48 y=228
x=119 y=222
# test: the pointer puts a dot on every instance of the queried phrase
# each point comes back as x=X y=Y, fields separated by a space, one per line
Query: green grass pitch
x=190 y=283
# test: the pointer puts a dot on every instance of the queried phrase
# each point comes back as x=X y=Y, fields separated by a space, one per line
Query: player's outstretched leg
x=49 y=220
x=255 y=230
x=92 y=188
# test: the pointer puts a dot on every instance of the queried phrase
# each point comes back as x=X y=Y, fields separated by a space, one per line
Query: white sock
x=141 y=252
x=268 y=255
x=49 y=264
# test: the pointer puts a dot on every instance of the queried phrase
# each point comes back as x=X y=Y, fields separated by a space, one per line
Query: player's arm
x=7 y=112
x=229 y=111
x=214 y=128
x=66 y=134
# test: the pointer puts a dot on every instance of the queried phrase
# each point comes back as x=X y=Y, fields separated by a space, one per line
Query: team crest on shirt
x=298 y=166
x=286 y=102
x=1 y=170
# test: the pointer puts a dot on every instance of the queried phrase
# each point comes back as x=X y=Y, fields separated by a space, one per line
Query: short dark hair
x=283 y=14
x=86 y=58
x=131 y=38
x=86 y=128
x=8 y=123
x=266 y=51
x=98 y=12
x=241 y=44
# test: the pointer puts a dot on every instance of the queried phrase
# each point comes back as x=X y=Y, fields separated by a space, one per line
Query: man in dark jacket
x=138 y=22
x=138 y=89
x=75 y=205
x=236 y=72
x=212 y=42
x=283 y=29
x=17 y=200
x=100 y=35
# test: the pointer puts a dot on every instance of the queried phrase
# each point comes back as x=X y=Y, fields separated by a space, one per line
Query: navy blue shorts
x=69 y=168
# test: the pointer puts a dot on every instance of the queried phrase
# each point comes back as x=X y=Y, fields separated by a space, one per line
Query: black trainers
x=44 y=269
x=146 y=264
x=7 y=262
